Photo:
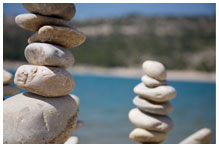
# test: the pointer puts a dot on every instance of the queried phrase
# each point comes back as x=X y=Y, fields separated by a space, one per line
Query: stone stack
x=8 y=89
x=150 y=116
x=47 y=113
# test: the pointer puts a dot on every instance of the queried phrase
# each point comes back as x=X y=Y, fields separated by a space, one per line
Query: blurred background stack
x=182 y=36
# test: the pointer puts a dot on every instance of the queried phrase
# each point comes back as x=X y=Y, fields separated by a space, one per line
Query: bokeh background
x=182 y=36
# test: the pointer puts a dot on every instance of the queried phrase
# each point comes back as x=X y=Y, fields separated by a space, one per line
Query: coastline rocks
x=48 y=54
x=45 y=81
x=161 y=93
x=150 y=121
x=152 y=107
x=7 y=77
x=35 y=119
x=202 y=136
x=150 y=82
x=144 y=136
x=64 y=36
x=62 y=10
x=33 y=22
x=9 y=90
x=154 y=69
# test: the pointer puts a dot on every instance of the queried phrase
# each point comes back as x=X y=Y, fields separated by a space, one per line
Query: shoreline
x=129 y=72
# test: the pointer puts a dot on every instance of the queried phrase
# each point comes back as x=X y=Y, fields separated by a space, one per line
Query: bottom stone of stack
x=33 y=119
x=145 y=136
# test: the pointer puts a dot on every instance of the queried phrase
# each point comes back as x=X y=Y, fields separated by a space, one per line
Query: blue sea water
x=106 y=101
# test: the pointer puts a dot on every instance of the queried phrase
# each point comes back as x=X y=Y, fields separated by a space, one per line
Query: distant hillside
x=180 y=43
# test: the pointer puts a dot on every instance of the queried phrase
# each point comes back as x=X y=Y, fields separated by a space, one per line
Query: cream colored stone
x=9 y=90
x=161 y=93
x=61 y=10
x=64 y=36
x=48 y=54
x=72 y=140
x=149 y=121
x=151 y=107
x=44 y=81
x=33 y=22
x=150 y=82
x=202 y=136
x=7 y=77
x=154 y=70
x=145 y=136
x=33 y=119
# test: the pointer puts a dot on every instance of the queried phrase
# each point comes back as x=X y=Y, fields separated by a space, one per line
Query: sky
x=103 y=10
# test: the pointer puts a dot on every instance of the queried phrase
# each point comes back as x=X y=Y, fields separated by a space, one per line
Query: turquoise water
x=106 y=101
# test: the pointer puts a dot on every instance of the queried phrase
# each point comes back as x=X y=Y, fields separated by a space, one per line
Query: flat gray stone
x=33 y=22
x=150 y=82
x=61 y=10
x=33 y=119
x=202 y=136
x=9 y=90
x=161 y=93
x=44 y=81
x=154 y=70
x=7 y=77
x=149 y=121
x=151 y=107
x=145 y=136
x=48 y=54
x=64 y=36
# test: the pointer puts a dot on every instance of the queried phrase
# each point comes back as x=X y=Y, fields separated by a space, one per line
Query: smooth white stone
x=7 y=77
x=202 y=136
x=145 y=136
x=150 y=82
x=149 y=121
x=72 y=140
x=161 y=93
x=151 y=107
x=48 y=54
x=154 y=70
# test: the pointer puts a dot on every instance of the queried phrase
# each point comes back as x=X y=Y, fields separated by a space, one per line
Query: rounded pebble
x=161 y=93
x=149 y=121
x=152 y=107
x=7 y=77
x=154 y=70
x=64 y=36
x=33 y=22
x=150 y=82
x=44 y=81
x=33 y=119
x=48 y=54
x=72 y=140
x=61 y=10
x=145 y=136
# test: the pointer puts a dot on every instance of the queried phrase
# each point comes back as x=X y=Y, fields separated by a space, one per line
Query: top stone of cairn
x=60 y=10
x=154 y=70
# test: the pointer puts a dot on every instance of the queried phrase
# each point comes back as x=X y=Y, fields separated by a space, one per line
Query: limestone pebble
x=33 y=22
x=64 y=36
x=35 y=119
x=48 y=54
x=153 y=106
x=60 y=10
x=7 y=77
x=45 y=81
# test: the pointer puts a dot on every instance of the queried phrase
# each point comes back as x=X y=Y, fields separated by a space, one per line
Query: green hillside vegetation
x=178 y=42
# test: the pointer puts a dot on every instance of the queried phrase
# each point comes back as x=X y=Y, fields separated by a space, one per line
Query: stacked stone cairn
x=8 y=89
x=150 y=116
x=46 y=113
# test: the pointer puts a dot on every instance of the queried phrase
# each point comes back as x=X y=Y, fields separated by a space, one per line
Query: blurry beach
x=108 y=65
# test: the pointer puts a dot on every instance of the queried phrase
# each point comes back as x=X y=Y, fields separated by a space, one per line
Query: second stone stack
x=150 y=116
